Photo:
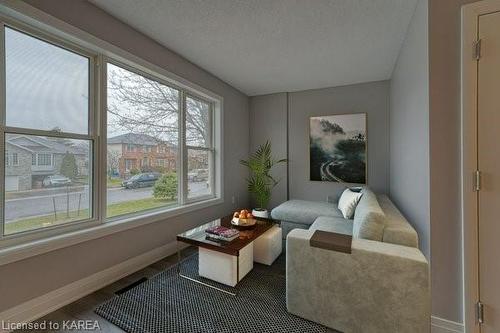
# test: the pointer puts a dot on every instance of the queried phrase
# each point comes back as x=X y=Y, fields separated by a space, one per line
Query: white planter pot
x=259 y=212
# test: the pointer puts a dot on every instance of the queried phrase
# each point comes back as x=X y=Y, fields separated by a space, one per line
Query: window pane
x=47 y=181
x=142 y=130
x=197 y=123
x=199 y=170
x=47 y=87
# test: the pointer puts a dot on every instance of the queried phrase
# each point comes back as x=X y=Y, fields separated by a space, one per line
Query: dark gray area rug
x=168 y=303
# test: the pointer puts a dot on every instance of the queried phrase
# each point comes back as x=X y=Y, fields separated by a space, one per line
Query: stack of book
x=222 y=233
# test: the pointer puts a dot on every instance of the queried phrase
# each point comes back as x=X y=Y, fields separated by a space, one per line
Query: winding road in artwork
x=327 y=174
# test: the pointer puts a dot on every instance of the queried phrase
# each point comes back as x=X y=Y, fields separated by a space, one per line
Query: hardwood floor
x=83 y=309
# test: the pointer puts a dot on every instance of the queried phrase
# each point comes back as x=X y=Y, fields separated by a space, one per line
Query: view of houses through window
x=143 y=138
x=47 y=177
x=143 y=123
x=50 y=137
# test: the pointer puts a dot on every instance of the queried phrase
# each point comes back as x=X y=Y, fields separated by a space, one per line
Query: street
x=40 y=204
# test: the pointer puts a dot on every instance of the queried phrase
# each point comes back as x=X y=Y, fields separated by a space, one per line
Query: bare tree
x=141 y=105
x=113 y=161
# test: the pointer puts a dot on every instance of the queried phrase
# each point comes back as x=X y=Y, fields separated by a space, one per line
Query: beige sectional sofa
x=381 y=286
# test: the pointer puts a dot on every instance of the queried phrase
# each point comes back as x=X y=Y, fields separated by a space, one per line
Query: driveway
x=40 y=204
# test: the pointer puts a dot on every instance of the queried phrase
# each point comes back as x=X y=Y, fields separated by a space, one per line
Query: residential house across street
x=130 y=152
x=29 y=159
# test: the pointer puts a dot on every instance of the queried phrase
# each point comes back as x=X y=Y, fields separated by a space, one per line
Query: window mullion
x=211 y=161
x=182 y=150
x=101 y=188
x=52 y=134
x=2 y=129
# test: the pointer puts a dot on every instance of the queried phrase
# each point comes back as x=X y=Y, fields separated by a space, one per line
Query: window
x=46 y=92
x=15 y=160
x=47 y=87
x=129 y=165
x=162 y=155
x=44 y=160
x=199 y=147
x=145 y=111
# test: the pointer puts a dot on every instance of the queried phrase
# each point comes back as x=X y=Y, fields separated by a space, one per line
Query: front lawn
x=114 y=182
x=115 y=209
x=136 y=206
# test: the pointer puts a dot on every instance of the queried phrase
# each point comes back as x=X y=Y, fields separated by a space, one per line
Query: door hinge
x=477 y=180
x=477 y=49
x=480 y=312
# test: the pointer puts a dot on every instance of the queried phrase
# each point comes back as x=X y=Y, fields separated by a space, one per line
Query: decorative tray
x=243 y=222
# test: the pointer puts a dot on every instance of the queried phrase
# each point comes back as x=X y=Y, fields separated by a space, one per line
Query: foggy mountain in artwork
x=338 y=148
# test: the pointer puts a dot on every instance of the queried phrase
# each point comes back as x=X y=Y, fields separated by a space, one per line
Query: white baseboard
x=440 y=325
x=45 y=304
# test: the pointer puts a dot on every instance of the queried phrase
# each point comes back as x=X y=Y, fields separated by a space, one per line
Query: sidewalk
x=44 y=192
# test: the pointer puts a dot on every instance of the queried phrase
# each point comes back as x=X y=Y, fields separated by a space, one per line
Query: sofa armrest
x=379 y=287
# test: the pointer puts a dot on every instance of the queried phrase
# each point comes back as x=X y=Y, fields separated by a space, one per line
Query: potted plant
x=260 y=182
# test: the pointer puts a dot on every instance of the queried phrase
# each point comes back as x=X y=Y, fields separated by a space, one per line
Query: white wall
x=409 y=128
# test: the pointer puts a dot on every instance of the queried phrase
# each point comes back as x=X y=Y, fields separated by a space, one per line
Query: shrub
x=166 y=187
x=68 y=166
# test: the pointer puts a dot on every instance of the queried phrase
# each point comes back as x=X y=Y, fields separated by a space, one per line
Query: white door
x=489 y=164
x=11 y=183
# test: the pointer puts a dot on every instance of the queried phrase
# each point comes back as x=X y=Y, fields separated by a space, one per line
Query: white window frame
x=5 y=130
x=23 y=245
x=182 y=149
x=210 y=149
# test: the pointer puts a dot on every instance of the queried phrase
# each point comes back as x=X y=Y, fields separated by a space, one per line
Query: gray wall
x=444 y=125
x=58 y=268
x=269 y=113
x=409 y=128
x=268 y=122
x=371 y=98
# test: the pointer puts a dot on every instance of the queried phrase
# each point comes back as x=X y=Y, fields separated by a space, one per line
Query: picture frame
x=338 y=148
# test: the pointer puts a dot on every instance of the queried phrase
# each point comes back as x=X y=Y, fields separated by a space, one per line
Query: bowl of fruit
x=243 y=218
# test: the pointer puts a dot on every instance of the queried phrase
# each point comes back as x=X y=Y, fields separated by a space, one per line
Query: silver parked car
x=198 y=175
x=56 y=180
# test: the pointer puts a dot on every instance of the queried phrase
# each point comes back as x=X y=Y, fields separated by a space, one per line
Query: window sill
x=33 y=248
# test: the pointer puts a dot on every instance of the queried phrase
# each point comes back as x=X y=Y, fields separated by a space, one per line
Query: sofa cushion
x=397 y=229
x=338 y=225
x=369 y=219
x=305 y=212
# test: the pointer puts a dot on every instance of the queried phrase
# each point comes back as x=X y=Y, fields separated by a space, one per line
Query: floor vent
x=130 y=286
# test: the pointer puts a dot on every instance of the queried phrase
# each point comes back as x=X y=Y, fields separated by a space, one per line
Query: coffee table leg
x=178 y=261
x=206 y=284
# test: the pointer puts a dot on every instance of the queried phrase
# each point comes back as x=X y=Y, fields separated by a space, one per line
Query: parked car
x=198 y=175
x=141 y=180
x=56 y=180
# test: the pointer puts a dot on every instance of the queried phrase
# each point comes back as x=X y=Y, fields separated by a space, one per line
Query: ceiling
x=267 y=46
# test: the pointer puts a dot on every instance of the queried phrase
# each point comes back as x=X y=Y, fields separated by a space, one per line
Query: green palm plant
x=260 y=181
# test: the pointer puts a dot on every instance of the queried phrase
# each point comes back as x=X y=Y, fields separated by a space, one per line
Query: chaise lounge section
x=381 y=286
x=301 y=214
